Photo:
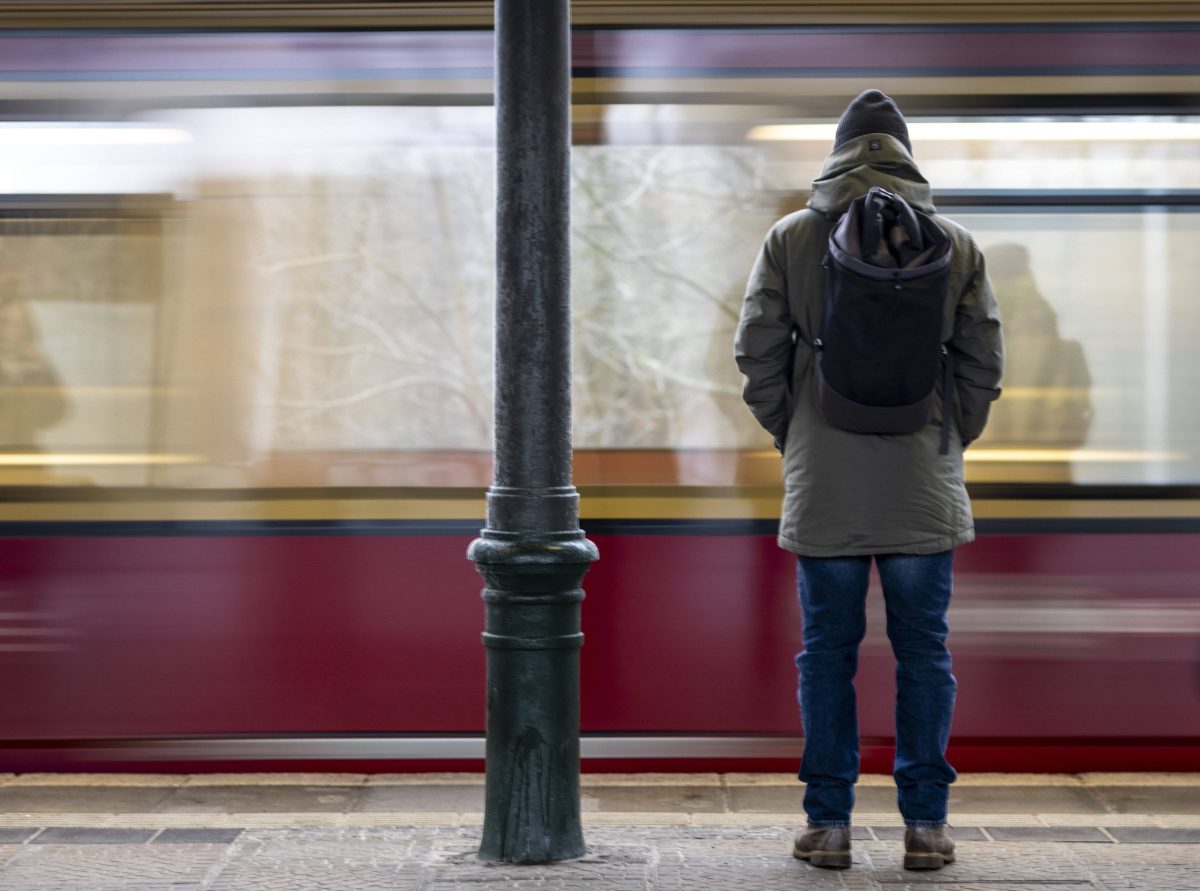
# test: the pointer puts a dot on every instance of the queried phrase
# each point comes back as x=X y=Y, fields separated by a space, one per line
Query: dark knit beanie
x=871 y=112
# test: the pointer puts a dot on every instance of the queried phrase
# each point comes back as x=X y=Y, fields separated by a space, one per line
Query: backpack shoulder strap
x=828 y=223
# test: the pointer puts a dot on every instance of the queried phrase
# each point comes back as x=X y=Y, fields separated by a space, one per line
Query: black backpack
x=880 y=349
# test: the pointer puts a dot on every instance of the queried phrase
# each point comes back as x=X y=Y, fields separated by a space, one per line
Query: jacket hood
x=854 y=168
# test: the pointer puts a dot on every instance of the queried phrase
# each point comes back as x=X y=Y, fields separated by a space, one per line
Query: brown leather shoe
x=927 y=847
x=824 y=846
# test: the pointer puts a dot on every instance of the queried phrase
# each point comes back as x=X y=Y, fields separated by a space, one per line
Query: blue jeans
x=833 y=593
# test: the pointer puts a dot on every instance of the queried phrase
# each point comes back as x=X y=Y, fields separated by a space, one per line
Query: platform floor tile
x=1047 y=834
x=70 y=835
x=984 y=862
x=442 y=797
x=126 y=866
x=1154 y=835
x=1025 y=799
x=679 y=799
x=1160 y=799
x=1124 y=866
x=959 y=833
x=80 y=799
x=259 y=799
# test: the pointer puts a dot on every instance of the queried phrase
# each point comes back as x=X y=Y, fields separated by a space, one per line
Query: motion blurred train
x=245 y=379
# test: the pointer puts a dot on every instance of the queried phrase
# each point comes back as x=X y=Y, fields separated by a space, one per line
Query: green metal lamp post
x=532 y=553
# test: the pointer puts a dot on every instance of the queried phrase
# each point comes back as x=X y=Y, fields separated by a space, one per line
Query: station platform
x=345 y=832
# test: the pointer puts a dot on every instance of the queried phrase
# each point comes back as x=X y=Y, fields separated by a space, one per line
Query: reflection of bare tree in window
x=662 y=239
x=382 y=330
x=376 y=296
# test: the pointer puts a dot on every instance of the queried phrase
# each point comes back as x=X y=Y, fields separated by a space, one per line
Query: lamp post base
x=532 y=634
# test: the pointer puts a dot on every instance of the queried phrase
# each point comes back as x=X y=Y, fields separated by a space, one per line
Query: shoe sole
x=824 y=859
x=927 y=860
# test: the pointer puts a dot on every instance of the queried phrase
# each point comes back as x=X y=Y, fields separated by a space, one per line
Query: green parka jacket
x=851 y=493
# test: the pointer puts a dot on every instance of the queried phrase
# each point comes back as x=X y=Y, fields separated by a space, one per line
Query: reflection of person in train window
x=31 y=396
x=1047 y=386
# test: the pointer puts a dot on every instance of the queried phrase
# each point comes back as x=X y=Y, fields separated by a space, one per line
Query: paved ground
x=348 y=832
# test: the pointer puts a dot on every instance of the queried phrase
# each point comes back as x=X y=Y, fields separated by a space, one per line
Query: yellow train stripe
x=757 y=504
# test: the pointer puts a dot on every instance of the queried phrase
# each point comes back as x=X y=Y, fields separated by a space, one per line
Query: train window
x=335 y=305
x=1100 y=332
x=80 y=323
x=1086 y=224
x=335 y=310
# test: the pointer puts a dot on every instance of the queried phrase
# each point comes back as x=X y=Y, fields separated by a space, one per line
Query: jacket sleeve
x=978 y=350
x=765 y=340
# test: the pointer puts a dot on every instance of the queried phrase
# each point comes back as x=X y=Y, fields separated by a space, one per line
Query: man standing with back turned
x=871 y=347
